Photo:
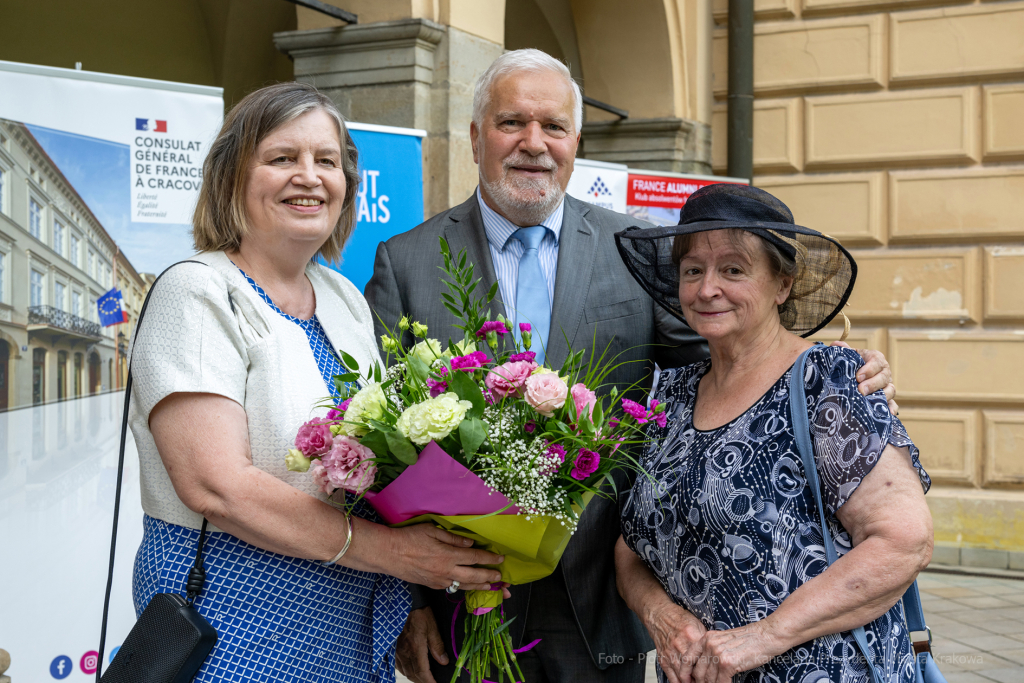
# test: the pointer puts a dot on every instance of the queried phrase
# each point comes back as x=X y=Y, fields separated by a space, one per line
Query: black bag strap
x=197 y=576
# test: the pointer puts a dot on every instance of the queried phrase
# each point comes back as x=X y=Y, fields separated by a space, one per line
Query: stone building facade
x=56 y=260
x=898 y=128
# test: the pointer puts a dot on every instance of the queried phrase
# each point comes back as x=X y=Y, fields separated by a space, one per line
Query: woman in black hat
x=722 y=554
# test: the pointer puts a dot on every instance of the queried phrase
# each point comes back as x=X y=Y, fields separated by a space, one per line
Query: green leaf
x=376 y=442
x=444 y=246
x=401 y=447
x=576 y=498
x=463 y=385
x=376 y=373
x=452 y=309
x=492 y=292
x=419 y=369
x=347 y=377
x=472 y=434
x=560 y=426
x=611 y=481
x=598 y=416
x=350 y=363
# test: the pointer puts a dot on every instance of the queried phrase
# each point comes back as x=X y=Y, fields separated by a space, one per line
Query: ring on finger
x=451 y=590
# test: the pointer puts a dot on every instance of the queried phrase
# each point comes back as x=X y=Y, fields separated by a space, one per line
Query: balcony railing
x=48 y=315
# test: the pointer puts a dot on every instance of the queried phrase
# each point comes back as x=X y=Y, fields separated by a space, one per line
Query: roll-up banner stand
x=652 y=196
x=131 y=152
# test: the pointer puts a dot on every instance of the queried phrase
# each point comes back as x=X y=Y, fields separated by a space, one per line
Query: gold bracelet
x=348 y=542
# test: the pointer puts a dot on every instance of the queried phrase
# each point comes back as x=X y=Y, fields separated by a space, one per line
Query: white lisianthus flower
x=367 y=404
x=541 y=370
x=427 y=351
x=433 y=419
x=464 y=348
x=296 y=461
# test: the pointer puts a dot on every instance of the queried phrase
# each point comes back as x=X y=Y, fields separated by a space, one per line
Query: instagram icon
x=90 y=660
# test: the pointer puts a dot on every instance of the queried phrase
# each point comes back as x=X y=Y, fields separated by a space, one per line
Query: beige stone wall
x=898 y=128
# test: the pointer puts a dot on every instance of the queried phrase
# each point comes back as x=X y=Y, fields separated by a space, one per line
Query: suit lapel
x=465 y=230
x=577 y=247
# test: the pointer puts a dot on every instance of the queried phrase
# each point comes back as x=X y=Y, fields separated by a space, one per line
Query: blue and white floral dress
x=278 y=618
x=729 y=527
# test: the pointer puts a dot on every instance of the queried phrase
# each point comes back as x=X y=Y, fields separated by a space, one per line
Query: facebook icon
x=61 y=667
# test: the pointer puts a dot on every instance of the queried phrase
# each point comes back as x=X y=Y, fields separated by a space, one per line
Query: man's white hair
x=527 y=59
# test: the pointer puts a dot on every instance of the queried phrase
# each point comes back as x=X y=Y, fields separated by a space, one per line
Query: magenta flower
x=530 y=427
x=469 y=361
x=495 y=326
x=555 y=456
x=314 y=437
x=528 y=356
x=436 y=388
x=586 y=464
x=334 y=414
x=525 y=327
x=661 y=419
x=635 y=410
x=345 y=404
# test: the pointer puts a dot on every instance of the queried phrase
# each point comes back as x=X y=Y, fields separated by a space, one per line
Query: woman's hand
x=876 y=375
x=430 y=556
x=679 y=639
x=727 y=653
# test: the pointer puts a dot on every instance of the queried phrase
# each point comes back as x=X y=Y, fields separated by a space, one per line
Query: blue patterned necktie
x=532 y=303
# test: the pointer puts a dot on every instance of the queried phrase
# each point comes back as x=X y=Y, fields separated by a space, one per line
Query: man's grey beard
x=518 y=199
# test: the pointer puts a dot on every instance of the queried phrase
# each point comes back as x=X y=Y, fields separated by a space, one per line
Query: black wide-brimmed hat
x=825 y=270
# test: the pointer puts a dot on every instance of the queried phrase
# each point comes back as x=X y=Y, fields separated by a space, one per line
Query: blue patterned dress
x=730 y=529
x=280 y=618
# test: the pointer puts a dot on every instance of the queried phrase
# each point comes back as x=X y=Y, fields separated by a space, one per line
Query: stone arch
x=650 y=57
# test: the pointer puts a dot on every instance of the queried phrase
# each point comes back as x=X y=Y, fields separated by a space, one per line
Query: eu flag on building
x=110 y=310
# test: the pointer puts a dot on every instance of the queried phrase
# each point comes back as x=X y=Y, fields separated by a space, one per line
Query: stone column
x=663 y=144
x=412 y=73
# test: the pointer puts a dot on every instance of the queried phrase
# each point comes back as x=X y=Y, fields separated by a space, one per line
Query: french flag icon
x=158 y=125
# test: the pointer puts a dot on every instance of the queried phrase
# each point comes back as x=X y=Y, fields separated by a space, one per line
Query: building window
x=76 y=304
x=3 y=276
x=3 y=184
x=36 y=288
x=89 y=264
x=73 y=250
x=58 y=237
x=35 y=219
x=58 y=296
x=93 y=312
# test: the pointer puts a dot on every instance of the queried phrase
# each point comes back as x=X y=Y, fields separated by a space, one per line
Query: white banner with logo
x=600 y=183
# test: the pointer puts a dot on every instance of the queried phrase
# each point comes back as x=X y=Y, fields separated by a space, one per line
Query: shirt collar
x=499 y=229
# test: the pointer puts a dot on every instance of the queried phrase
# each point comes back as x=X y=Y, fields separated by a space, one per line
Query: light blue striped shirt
x=506 y=252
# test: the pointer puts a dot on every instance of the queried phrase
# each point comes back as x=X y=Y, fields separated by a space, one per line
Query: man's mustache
x=544 y=161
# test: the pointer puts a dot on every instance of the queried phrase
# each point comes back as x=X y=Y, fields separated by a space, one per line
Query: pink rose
x=546 y=393
x=349 y=465
x=508 y=379
x=314 y=437
x=583 y=398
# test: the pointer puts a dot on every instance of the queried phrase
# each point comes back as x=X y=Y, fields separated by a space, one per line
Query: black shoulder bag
x=171 y=640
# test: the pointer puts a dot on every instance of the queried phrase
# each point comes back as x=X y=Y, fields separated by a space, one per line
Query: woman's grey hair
x=220 y=220
x=527 y=59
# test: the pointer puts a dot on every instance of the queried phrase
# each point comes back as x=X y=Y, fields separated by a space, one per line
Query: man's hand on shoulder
x=875 y=375
x=419 y=641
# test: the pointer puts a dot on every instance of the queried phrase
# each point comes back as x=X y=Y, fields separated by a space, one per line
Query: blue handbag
x=926 y=670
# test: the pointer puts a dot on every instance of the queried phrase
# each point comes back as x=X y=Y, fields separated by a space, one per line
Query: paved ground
x=977 y=625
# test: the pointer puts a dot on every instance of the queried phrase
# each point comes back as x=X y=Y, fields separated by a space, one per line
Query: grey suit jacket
x=597 y=304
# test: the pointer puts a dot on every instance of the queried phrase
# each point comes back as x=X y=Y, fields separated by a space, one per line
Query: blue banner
x=390 y=197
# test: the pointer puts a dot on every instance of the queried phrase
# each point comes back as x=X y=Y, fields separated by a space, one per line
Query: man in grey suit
x=525 y=132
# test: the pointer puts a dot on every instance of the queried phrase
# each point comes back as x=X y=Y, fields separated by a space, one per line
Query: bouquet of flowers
x=479 y=438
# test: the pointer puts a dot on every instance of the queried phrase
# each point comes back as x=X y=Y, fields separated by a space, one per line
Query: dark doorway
x=78 y=374
x=38 y=376
x=5 y=354
x=94 y=372
x=62 y=375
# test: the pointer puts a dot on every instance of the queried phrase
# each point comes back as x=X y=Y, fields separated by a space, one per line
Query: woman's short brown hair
x=220 y=219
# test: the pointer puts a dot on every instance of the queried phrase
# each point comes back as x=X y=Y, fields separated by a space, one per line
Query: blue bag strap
x=802 y=431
